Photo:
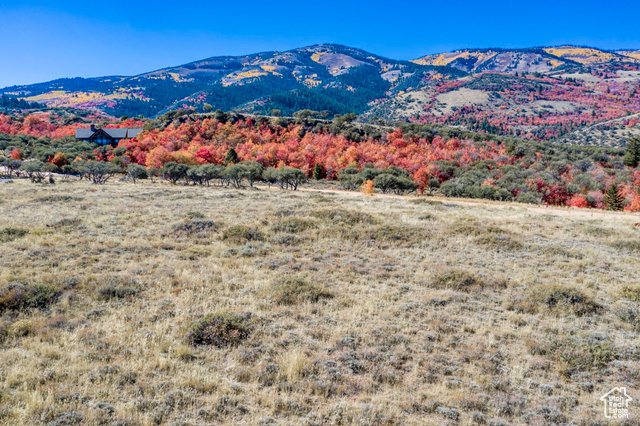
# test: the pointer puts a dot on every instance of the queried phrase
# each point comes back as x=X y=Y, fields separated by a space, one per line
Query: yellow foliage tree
x=367 y=187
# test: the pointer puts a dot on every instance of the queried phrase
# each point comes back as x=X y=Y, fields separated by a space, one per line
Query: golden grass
x=399 y=341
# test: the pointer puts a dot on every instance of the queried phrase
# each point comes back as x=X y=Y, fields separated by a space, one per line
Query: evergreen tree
x=231 y=157
x=613 y=198
x=632 y=156
x=318 y=171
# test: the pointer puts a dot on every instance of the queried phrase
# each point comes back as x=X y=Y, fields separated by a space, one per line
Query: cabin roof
x=113 y=133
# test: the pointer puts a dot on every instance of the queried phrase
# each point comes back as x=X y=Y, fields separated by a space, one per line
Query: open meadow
x=155 y=303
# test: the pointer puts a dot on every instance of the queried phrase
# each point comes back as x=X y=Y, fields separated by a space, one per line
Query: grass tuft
x=241 y=234
x=499 y=242
x=57 y=198
x=292 y=291
x=631 y=292
x=293 y=226
x=460 y=280
x=345 y=217
x=116 y=288
x=626 y=244
x=558 y=300
x=10 y=234
x=574 y=354
x=195 y=227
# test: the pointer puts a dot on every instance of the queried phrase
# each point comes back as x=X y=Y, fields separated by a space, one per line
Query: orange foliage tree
x=59 y=159
x=16 y=154
x=367 y=187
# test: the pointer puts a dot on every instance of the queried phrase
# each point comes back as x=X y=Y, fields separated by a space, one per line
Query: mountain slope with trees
x=569 y=94
x=334 y=78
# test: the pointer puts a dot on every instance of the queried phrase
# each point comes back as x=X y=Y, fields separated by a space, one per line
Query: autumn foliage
x=367 y=187
x=208 y=141
x=453 y=166
x=44 y=124
x=16 y=154
x=59 y=159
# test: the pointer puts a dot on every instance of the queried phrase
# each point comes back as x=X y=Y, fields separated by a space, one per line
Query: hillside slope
x=538 y=59
x=543 y=93
x=495 y=60
x=335 y=78
x=346 y=310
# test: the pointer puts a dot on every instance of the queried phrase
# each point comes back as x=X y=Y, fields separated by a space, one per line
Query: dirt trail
x=566 y=211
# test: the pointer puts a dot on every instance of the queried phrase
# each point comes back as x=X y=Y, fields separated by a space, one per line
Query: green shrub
x=630 y=313
x=33 y=169
x=286 y=239
x=219 y=329
x=574 y=354
x=351 y=182
x=528 y=198
x=4 y=331
x=10 y=234
x=114 y=291
x=291 y=291
x=293 y=225
x=425 y=201
x=499 y=242
x=136 y=171
x=67 y=222
x=559 y=300
x=55 y=198
x=391 y=233
x=242 y=233
x=631 y=292
x=346 y=217
x=173 y=171
x=97 y=172
x=195 y=227
x=253 y=249
x=471 y=227
x=18 y=296
x=458 y=188
x=193 y=253
x=629 y=245
x=388 y=182
x=194 y=215
x=236 y=173
x=460 y=280
x=555 y=251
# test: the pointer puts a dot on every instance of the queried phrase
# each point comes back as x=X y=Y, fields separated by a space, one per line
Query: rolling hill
x=538 y=59
x=335 y=78
x=496 y=60
x=543 y=93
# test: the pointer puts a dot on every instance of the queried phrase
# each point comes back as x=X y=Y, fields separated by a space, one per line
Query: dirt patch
x=460 y=98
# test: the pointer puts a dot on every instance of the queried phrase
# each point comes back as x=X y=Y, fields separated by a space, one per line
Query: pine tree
x=613 y=198
x=632 y=156
x=318 y=171
x=231 y=157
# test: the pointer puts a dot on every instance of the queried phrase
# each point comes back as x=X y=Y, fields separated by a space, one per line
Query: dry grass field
x=157 y=304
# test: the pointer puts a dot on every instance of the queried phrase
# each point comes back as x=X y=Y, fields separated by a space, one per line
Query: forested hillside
x=334 y=78
x=544 y=93
x=427 y=159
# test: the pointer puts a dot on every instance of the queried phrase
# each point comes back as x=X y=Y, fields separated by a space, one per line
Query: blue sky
x=42 y=40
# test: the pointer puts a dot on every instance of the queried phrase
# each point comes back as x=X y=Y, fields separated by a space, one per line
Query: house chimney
x=93 y=128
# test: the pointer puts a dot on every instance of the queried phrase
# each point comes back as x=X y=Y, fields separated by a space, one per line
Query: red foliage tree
x=59 y=159
x=16 y=154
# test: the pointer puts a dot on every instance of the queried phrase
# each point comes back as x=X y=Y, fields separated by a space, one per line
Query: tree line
x=236 y=175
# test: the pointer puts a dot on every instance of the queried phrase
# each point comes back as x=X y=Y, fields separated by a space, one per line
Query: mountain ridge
x=543 y=92
x=323 y=69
